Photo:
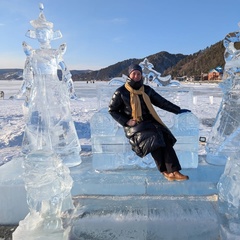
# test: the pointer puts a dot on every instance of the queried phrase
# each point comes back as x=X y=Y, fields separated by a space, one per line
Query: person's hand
x=184 y=111
x=131 y=123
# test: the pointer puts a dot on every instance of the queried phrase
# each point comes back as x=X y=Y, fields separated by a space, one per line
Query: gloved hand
x=184 y=111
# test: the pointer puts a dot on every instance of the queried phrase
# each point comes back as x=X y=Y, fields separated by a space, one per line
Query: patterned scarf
x=136 y=105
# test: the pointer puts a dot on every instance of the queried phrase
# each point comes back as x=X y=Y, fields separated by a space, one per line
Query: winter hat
x=133 y=67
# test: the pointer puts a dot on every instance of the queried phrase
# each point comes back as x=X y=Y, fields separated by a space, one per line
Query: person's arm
x=116 y=107
x=164 y=104
x=161 y=102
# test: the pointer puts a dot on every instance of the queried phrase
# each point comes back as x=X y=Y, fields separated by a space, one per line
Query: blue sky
x=99 y=33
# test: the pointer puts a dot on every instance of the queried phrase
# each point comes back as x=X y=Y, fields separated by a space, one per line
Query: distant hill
x=174 y=64
x=161 y=61
x=165 y=63
x=11 y=74
x=17 y=74
x=200 y=62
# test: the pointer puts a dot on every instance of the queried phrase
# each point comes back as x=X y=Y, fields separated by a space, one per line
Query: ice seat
x=111 y=150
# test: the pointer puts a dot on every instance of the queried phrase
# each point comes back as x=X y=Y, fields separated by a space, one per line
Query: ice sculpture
x=219 y=144
x=49 y=123
x=152 y=76
x=48 y=184
x=111 y=149
x=50 y=142
x=118 y=80
x=229 y=196
x=35 y=62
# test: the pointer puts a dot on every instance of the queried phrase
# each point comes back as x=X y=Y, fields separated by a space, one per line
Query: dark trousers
x=166 y=158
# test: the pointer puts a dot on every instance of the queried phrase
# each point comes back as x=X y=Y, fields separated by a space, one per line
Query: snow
x=206 y=100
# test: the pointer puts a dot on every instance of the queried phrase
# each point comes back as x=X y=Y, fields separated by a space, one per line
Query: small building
x=215 y=74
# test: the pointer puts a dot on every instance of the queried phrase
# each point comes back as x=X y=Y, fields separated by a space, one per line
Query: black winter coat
x=148 y=135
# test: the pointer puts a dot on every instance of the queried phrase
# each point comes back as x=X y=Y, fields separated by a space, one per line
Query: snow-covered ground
x=206 y=100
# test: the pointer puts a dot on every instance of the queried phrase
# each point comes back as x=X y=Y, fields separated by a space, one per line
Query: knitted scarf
x=136 y=105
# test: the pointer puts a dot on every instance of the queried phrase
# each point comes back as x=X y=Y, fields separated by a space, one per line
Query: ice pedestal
x=13 y=206
x=229 y=198
x=111 y=149
x=48 y=184
x=118 y=183
x=145 y=218
x=32 y=229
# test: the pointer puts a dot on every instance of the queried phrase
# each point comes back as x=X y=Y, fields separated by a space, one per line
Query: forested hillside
x=200 y=62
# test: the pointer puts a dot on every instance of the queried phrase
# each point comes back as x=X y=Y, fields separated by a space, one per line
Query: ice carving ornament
x=153 y=77
x=50 y=143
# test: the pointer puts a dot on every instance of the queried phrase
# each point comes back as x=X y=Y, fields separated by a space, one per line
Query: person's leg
x=159 y=159
x=172 y=165
x=170 y=159
x=168 y=163
x=166 y=159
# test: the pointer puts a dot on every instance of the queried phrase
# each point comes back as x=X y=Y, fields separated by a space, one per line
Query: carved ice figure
x=223 y=143
x=118 y=80
x=152 y=76
x=44 y=33
x=50 y=141
x=219 y=145
x=49 y=123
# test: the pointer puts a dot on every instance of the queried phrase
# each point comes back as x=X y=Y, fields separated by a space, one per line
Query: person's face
x=135 y=75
